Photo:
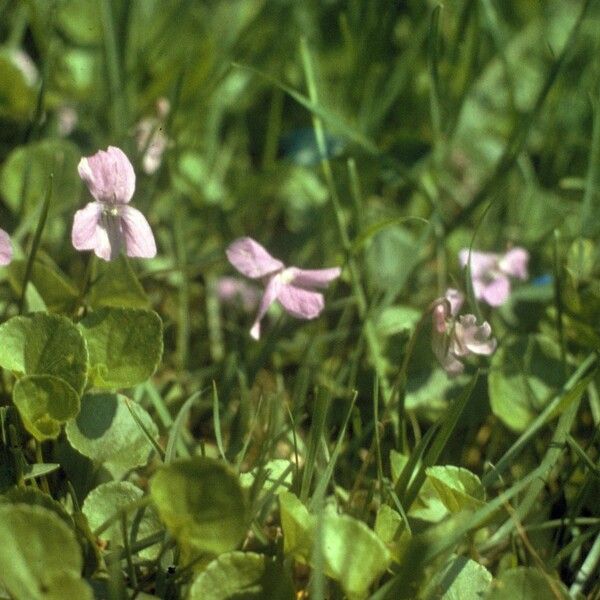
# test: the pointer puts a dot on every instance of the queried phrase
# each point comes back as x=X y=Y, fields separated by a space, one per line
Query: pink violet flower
x=454 y=338
x=293 y=288
x=490 y=272
x=5 y=248
x=109 y=225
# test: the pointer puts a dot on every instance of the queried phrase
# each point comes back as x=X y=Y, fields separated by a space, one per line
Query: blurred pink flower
x=151 y=139
x=454 y=338
x=293 y=288
x=67 y=119
x=109 y=225
x=5 y=248
x=232 y=290
x=490 y=272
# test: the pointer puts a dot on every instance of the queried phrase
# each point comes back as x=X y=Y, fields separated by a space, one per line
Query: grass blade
x=35 y=244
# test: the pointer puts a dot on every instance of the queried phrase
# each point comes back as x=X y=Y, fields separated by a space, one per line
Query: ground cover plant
x=299 y=299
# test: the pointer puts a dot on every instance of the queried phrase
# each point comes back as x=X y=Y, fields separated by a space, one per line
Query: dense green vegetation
x=428 y=427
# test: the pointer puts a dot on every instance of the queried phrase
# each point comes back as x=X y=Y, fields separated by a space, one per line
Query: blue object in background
x=300 y=146
x=545 y=279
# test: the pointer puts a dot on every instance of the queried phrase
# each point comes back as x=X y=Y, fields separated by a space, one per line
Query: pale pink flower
x=67 y=119
x=232 y=290
x=151 y=139
x=490 y=272
x=454 y=338
x=5 y=248
x=109 y=224
x=293 y=288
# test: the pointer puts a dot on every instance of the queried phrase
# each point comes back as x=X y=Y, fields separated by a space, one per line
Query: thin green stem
x=358 y=291
x=113 y=66
x=37 y=236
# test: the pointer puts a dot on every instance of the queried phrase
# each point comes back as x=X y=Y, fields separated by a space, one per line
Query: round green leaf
x=29 y=168
x=460 y=579
x=105 y=500
x=42 y=344
x=458 y=488
x=523 y=583
x=125 y=346
x=106 y=432
x=40 y=557
x=202 y=504
x=245 y=575
x=45 y=402
x=353 y=554
x=524 y=373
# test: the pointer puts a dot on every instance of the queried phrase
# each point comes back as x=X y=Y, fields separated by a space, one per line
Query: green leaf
x=397 y=319
x=279 y=475
x=80 y=21
x=581 y=260
x=106 y=432
x=17 y=97
x=353 y=554
x=387 y=524
x=107 y=499
x=397 y=463
x=430 y=391
x=42 y=344
x=246 y=575
x=458 y=488
x=40 y=558
x=59 y=294
x=27 y=169
x=298 y=526
x=116 y=285
x=34 y=497
x=390 y=530
x=39 y=469
x=125 y=346
x=460 y=579
x=524 y=373
x=201 y=502
x=45 y=402
x=390 y=257
x=523 y=583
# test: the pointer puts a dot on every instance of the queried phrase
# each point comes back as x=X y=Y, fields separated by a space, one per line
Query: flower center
x=287 y=276
x=111 y=210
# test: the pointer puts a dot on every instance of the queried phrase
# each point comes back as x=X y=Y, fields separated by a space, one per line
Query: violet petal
x=139 y=240
x=300 y=303
x=314 y=278
x=109 y=175
x=6 y=251
x=251 y=259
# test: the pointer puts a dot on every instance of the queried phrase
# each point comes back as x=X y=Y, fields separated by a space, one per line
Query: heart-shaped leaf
x=125 y=346
x=201 y=502
x=42 y=344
